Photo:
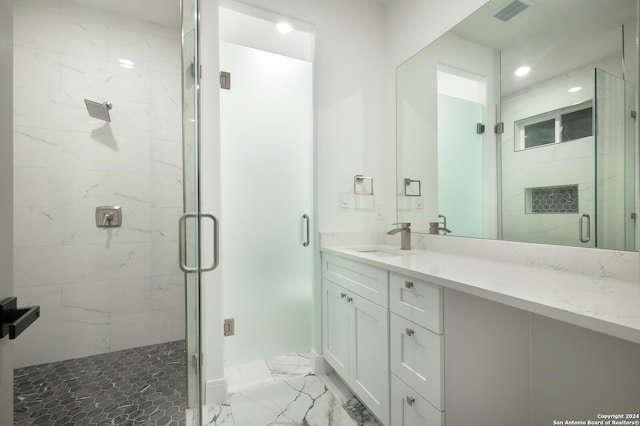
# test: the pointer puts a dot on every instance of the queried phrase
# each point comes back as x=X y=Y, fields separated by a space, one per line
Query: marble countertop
x=604 y=304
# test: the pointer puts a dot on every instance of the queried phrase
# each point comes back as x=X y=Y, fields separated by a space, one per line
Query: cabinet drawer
x=410 y=409
x=364 y=280
x=416 y=300
x=416 y=358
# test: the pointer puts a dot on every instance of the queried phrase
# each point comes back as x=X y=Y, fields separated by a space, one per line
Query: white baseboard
x=318 y=364
x=216 y=391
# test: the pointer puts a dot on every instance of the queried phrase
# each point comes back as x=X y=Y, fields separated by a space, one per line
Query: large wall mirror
x=519 y=124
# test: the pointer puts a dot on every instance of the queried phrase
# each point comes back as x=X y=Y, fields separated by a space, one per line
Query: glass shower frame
x=189 y=224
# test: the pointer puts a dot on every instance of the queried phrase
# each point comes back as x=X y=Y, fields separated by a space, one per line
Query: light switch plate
x=345 y=200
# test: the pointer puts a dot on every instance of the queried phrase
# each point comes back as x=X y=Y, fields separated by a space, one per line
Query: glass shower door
x=615 y=168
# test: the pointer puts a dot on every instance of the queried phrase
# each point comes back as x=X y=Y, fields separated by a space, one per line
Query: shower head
x=98 y=110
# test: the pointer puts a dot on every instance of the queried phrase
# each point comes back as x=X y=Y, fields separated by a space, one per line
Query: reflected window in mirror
x=577 y=124
x=540 y=133
x=562 y=125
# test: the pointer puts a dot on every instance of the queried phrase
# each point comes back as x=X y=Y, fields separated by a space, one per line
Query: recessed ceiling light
x=125 y=63
x=575 y=89
x=522 y=71
x=284 y=28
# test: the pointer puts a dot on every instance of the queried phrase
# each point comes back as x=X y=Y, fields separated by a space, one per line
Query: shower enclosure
x=574 y=137
x=105 y=287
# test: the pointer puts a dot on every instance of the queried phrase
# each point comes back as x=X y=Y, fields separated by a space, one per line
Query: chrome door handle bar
x=305 y=218
x=216 y=244
x=182 y=243
x=581 y=226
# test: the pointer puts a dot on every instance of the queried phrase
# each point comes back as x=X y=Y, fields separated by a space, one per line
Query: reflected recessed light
x=522 y=71
x=125 y=63
x=575 y=89
x=284 y=28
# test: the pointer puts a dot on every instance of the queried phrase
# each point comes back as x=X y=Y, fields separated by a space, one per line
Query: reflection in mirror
x=542 y=155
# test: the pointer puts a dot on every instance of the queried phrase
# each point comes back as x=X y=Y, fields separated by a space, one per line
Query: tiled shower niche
x=552 y=199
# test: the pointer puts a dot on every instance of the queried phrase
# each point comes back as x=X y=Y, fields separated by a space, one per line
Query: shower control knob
x=108 y=218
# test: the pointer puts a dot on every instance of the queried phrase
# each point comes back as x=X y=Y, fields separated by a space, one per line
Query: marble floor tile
x=304 y=400
x=247 y=376
x=146 y=386
x=288 y=366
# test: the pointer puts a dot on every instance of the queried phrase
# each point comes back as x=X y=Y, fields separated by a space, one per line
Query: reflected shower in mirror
x=522 y=127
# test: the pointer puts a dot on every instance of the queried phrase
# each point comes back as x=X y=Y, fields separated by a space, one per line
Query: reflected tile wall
x=99 y=289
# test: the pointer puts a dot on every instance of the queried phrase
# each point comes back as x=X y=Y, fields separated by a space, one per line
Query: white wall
x=6 y=201
x=349 y=105
x=99 y=290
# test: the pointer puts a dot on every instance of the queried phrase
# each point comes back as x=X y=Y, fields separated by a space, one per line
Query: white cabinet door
x=335 y=328
x=369 y=371
x=409 y=409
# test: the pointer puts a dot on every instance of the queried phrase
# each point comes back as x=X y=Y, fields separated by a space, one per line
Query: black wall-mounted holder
x=14 y=321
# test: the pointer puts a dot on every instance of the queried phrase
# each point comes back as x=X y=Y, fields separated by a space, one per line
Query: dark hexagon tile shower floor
x=140 y=386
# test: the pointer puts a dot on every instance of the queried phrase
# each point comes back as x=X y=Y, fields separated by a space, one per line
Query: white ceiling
x=552 y=36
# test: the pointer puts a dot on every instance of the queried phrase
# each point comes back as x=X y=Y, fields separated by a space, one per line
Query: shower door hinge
x=479 y=128
x=225 y=80
x=498 y=129
x=634 y=114
x=229 y=327
x=193 y=69
x=194 y=360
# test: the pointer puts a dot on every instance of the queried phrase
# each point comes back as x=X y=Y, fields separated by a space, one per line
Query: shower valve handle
x=108 y=218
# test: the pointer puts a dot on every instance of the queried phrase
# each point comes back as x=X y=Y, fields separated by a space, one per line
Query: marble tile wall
x=100 y=290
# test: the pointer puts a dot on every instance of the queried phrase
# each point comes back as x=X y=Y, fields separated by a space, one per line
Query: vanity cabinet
x=355 y=329
x=417 y=352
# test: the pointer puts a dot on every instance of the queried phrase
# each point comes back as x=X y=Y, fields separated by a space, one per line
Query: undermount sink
x=383 y=251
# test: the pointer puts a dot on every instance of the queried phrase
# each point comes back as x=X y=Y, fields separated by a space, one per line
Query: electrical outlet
x=379 y=212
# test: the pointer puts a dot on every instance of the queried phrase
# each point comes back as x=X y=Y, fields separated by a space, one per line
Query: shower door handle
x=581 y=232
x=182 y=244
x=216 y=244
x=305 y=218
